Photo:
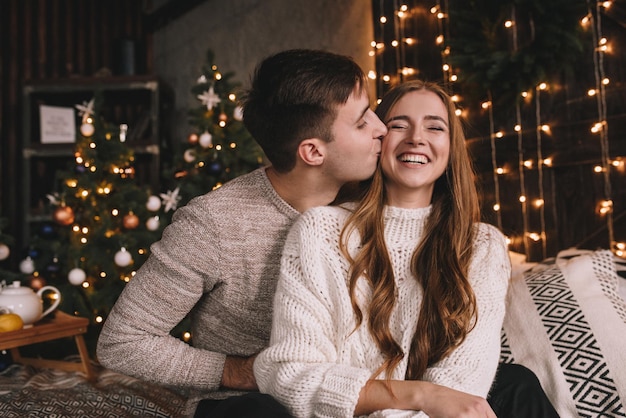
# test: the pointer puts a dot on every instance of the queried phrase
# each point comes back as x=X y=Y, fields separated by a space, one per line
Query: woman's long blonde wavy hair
x=441 y=259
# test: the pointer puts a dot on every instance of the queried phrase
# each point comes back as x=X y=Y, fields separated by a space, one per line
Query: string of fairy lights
x=395 y=39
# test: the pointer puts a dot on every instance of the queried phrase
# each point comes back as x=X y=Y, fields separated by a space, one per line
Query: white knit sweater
x=316 y=365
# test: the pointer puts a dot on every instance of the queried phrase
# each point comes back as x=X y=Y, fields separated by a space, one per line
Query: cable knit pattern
x=317 y=365
x=219 y=259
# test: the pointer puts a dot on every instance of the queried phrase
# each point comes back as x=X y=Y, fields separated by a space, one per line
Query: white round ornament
x=27 y=266
x=87 y=129
x=238 y=113
x=205 y=140
x=4 y=251
x=154 y=203
x=152 y=223
x=123 y=258
x=189 y=155
x=76 y=276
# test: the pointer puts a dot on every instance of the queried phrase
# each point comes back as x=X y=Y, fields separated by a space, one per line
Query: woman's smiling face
x=416 y=149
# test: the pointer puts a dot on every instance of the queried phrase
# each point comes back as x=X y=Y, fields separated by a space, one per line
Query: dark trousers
x=516 y=393
x=250 y=405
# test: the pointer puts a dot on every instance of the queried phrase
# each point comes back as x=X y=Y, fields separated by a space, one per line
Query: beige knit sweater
x=218 y=259
x=317 y=365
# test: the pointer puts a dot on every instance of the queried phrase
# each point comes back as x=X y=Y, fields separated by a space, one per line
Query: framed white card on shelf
x=58 y=124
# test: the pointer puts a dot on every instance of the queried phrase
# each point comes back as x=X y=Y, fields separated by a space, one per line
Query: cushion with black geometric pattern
x=566 y=321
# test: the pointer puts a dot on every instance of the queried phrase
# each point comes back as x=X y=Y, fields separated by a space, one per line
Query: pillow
x=566 y=322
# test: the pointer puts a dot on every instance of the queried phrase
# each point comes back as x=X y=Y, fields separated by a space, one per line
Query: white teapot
x=24 y=302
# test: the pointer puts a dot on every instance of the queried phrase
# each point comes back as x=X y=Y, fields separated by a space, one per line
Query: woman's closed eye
x=397 y=126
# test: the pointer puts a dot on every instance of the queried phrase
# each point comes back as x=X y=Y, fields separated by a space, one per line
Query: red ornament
x=193 y=138
x=36 y=282
x=131 y=221
x=63 y=215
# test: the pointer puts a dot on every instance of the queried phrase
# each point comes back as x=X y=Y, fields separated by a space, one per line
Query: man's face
x=353 y=153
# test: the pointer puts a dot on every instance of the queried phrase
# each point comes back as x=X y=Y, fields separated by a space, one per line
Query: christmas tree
x=103 y=222
x=219 y=148
x=6 y=241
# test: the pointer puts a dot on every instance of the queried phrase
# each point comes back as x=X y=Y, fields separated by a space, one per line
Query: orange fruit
x=10 y=322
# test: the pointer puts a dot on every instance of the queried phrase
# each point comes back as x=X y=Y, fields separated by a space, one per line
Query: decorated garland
x=546 y=41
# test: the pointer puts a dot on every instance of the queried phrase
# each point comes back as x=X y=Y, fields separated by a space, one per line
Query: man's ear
x=312 y=151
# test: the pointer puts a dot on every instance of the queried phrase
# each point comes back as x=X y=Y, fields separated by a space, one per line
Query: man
x=219 y=258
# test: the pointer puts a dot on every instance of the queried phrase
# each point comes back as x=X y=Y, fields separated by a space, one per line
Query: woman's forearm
x=416 y=395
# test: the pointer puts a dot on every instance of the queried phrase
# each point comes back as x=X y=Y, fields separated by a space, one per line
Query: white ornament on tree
x=171 y=199
x=27 y=266
x=209 y=98
x=189 y=155
x=87 y=129
x=76 y=276
x=123 y=258
x=152 y=223
x=4 y=251
x=154 y=203
x=206 y=139
x=86 y=109
x=238 y=113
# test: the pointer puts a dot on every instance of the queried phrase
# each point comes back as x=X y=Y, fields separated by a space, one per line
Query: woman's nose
x=415 y=137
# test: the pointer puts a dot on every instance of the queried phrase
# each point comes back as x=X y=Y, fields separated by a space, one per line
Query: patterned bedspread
x=27 y=392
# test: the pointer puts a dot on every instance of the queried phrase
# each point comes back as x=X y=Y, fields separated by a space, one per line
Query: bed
x=28 y=392
x=566 y=321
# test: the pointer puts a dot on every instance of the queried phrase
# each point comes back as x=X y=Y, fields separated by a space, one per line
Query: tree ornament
x=47 y=230
x=76 y=276
x=123 y=258
x=36 y=282
x=222 y=117
x=190 y=155
x=154 y=203
x=171 y=199
x=33 y=253
x=87 y=129
x=130 y=221
x=153 y=223
x=63 y=215
x=215 y=167
x=54 y=266
x=27 y=266
x=205 y=140
x=209 y=98
x=238 y=113
x=86 y=109
x=192 y=138
x=4 y=251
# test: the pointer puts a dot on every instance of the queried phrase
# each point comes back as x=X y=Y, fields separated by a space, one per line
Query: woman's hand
x=435 y=400
x=443 y=402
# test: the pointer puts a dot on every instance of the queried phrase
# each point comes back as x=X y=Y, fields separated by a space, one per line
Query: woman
x=394 y=304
